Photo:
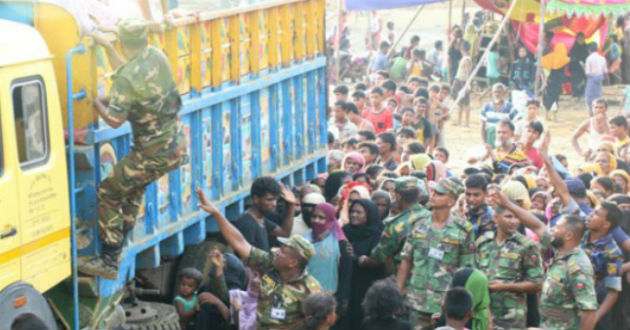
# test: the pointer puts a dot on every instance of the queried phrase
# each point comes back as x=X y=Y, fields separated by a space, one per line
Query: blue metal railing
x=80 y=49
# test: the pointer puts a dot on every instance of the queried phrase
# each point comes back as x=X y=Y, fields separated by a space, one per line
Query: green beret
x=300 y=244
x=132 y=32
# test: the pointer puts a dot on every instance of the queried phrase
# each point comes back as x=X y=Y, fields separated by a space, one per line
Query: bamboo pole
x=541 y=47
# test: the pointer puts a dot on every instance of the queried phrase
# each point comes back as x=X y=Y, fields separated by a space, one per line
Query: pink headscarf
x=331 y=224
x=435 y=170
x=357 y=157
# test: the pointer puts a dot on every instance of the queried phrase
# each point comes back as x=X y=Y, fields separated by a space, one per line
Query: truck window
x=29 y=110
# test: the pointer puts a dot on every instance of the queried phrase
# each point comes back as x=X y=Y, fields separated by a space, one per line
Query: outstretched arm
x=554 y=178
x=232 y=235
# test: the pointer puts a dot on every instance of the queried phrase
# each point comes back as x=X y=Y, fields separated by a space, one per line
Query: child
x=186 y=303
x=245 y=303
x=319 y=311
x=457 y=307
x=381 y=119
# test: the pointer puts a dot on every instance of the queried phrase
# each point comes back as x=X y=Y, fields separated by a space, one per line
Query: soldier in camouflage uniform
x=144 y=93
x=407 y=191
x=512 y=263
x=284 y=280
x=436 y=247
x=606 y=258
x=568 y=298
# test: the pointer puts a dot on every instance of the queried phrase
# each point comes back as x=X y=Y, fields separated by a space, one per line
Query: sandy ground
x=431 y=25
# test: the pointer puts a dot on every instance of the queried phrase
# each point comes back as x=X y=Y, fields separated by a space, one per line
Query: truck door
x=42 y=184
x=9 y=221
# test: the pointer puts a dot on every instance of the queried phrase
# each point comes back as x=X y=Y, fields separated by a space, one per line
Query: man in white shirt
x=339 y=125
x=595 y=69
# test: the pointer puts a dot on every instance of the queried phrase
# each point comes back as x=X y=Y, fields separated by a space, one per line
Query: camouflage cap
x=407 y=183
x=301 y=245
x=450 y=186
x=132 y=32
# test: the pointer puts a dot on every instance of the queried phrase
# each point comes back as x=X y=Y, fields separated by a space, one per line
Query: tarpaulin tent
x=564 y=17
x=381 y=4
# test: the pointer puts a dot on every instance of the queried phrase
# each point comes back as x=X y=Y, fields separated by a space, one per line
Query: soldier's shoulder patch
x=580 y=285
x=312 y=284
x=464 y=225
x=533 y=257
x=269 y=281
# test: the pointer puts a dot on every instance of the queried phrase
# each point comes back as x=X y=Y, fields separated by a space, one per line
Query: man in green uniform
x=436 y=247
x=284 y=280
x=143 y=92
x=512 y=263
x=408 y=191
x=568 y=298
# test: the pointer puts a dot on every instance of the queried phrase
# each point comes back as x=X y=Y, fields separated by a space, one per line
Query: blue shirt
x=481 y=219
x=492 y=65
x=492 y=116
x=379 y=62
x=606 y=258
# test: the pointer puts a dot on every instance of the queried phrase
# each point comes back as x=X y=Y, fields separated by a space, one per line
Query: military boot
x=106 y=265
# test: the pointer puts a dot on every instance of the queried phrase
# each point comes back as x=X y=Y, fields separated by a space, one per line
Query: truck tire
x=196 y=256
x=162 y=317
x=22 y=298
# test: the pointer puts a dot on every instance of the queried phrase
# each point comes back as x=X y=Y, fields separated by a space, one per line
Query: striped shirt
x=492 y=116
x=515 y=156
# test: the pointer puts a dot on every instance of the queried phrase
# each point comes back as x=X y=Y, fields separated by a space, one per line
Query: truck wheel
x=150 y=316
x=21 y=298
x=196 y=256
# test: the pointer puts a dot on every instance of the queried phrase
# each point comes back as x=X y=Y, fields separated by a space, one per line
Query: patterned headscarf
x=331 y=225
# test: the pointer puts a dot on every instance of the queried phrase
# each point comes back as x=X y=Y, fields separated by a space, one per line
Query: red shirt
x=382 y=121
x=534 y=157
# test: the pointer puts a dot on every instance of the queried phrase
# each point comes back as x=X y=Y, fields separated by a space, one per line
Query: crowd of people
x=393 y=236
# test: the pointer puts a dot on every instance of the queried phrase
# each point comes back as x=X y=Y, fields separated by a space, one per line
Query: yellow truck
x=253 y=82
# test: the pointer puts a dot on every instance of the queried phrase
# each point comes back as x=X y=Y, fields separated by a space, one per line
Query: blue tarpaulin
x=385 y=4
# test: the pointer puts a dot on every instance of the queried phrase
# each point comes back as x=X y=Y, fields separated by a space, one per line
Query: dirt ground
x=431 y=25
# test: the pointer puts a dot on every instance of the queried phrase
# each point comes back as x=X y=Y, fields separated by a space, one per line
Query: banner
x=381 y=4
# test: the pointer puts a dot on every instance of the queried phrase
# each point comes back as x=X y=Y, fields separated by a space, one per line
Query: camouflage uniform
x=279 y=303
x=567 y=289
x=517 y=259
x=144 y=93
x=435 y=255
x=606 y=258
x=481 y=219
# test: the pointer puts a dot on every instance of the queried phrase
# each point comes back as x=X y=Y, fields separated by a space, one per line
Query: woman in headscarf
x=435 y=170
x=349 y=193
x=383 y=202
x=334 y=182
x=331 y=264
x=363 y=232
x=604 y=163
x=419 y=161
x=621 y=178
x=353 y=163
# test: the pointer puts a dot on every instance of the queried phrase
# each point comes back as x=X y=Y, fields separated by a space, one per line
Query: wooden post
x=541 y=47
x=338 y=46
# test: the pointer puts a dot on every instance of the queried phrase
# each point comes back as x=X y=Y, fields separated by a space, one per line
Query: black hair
x=414 y=79
x=445 y=87
x=560 y=157
x=191 y=272
x=388 y=138
x=613 y=37
x=383 y=45
x=549 y=35
x=457 y=303
x=382 y=300
x=368 y=135
x=265 y=185
x=374 y=170
x=444 y=151
x=415 y=147
x=389 y=85
x=407 y=132
x=536 y=125
x=405 y=89
x=533 y=102
x=359 y=94
x=435 y=88
x=316 y=308
x=377 y=90
x=415 y=38
x=619 y=199
x=341 y=90
x=360 y=87
x=437 y=44
x=358 y=175
x=372 y=147
x=351 y=141
x=586 y=178
x=619 y=121
x=28 y=321
x=340 y=103
x=601 y=100
x=465 y=46
x=476 y=181
x=350 y=107
x=592 y=47
x=422 y=92
x=383 y=74
x=331 y=138
x=606 y=182
x=507 y=123
x=576 y=225
x=613 y=214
